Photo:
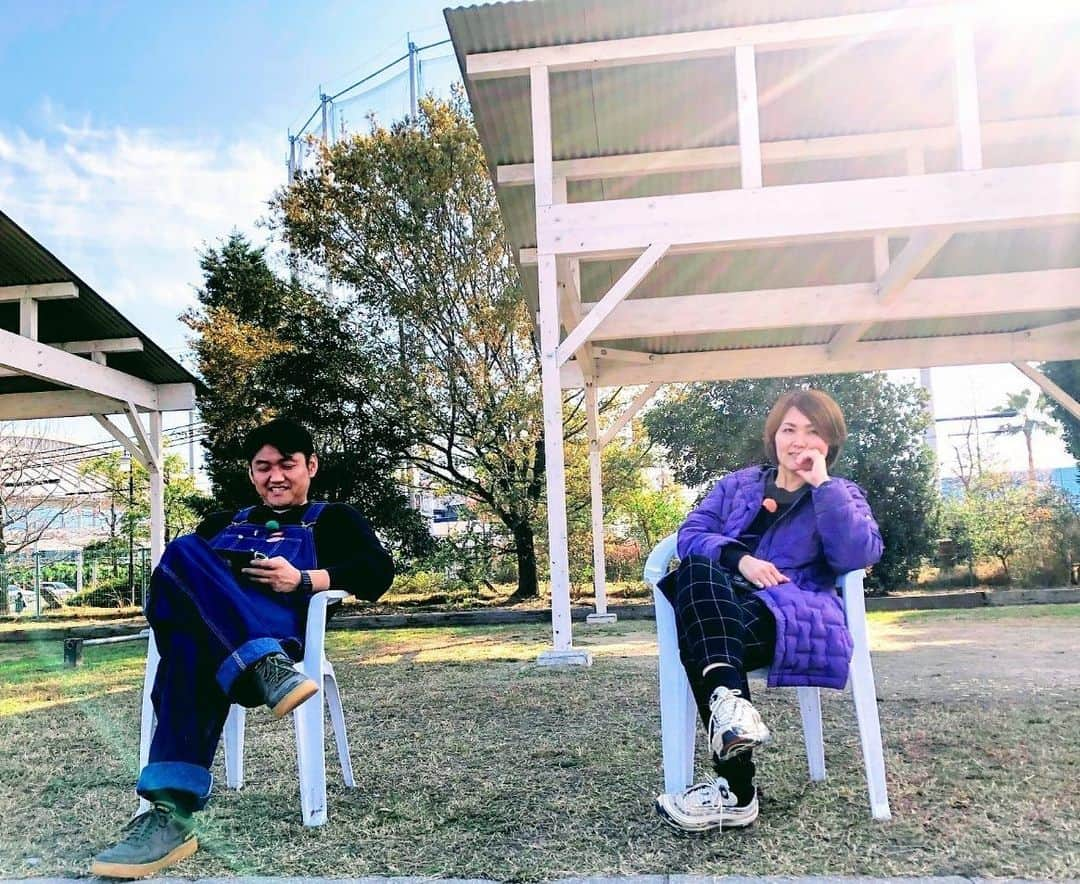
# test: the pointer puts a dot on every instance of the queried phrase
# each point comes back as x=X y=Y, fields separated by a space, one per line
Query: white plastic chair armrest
x=315 y=636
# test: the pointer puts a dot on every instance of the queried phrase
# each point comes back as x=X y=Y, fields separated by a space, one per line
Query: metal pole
x=413 y=59
x=37 y=582
x=323 y=99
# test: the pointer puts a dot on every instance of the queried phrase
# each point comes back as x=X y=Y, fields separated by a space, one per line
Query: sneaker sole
x=691 y=829
x=739 y=746
x=132 y=871
x=295 y=697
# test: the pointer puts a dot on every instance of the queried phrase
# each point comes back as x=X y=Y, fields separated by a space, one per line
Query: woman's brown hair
x=822 y=412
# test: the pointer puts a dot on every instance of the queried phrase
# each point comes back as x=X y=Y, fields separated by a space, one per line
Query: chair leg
x=677 y=709
x=866 y=711
x=810 y=707
x=311 y=760
x=337 y=718
x=233 y=738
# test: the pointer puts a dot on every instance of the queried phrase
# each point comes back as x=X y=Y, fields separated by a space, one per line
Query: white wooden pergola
x=66 y=352
x=758 y=188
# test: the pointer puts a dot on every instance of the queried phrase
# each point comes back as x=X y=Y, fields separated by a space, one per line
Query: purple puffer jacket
x=828 y=532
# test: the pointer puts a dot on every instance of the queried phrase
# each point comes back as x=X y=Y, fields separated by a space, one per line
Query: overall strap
x=243 y=515
x=312 y=513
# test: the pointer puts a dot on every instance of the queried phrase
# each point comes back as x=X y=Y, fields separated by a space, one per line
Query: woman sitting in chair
x=755 y=587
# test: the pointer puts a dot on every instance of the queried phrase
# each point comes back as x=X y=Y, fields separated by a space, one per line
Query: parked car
x=59 y=590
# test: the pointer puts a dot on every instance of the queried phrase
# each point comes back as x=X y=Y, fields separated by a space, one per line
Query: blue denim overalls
x=210 y=628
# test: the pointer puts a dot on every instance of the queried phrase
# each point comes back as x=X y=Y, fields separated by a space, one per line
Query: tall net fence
x=37 y=581
x=387 y=94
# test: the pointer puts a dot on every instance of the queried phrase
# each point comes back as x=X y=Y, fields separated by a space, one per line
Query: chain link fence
x=42 y=580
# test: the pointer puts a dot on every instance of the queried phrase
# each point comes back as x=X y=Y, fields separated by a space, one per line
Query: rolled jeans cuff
x=246 y=655
x=176 y=776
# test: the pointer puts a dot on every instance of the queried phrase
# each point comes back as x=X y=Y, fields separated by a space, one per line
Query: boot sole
x=295 y=697
x=132 y=871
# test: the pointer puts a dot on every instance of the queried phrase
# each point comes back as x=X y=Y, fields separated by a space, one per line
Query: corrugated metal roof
x=25 y=261
x=900 y=82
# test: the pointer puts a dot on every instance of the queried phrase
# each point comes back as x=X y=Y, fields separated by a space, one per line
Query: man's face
x=282 y=480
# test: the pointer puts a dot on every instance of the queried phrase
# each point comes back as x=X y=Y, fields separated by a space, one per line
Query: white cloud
x=128 y=210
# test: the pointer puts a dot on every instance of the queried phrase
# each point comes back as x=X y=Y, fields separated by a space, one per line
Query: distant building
x=46 y=496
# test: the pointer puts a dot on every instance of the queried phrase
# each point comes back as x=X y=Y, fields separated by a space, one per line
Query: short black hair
x=286 y=435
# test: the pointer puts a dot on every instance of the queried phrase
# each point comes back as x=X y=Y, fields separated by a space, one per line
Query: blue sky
x=134 y=133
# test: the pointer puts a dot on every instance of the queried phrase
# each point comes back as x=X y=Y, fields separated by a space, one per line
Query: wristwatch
x=305 y=581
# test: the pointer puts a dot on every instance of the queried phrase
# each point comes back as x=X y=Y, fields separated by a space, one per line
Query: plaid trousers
x=719 y=620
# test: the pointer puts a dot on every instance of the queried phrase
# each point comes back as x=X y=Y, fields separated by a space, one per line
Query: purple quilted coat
x=828 y=532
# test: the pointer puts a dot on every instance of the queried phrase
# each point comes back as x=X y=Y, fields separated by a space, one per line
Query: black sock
x=722 y=676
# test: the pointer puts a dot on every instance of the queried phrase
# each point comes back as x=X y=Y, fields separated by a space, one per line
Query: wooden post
x=749 y=129
x=596 y=496
x=562 y=651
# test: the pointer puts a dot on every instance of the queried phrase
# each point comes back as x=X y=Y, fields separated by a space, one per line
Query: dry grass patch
x=473 y=762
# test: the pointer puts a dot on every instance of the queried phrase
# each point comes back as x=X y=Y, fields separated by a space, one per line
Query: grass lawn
x=472 y=762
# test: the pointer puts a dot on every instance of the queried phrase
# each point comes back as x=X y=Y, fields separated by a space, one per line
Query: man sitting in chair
x=228 y=607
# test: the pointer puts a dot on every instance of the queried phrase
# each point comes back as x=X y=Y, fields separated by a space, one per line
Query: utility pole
x=324 y=100
x=191 y=444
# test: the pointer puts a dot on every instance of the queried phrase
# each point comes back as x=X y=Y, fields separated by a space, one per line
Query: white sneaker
x=734 y=725
x=708 y=805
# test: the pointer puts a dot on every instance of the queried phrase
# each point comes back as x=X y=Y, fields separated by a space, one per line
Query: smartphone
x=238 y=559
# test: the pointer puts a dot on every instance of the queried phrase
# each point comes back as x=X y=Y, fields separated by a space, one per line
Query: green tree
x=1067 y=376
x=1029 y=422
x=710 y=429
x=405 y=223
x=266 y=347
x=1006 y=522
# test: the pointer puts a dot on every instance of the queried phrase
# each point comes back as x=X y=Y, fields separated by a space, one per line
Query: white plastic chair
x=678 y=712
x=308 y=719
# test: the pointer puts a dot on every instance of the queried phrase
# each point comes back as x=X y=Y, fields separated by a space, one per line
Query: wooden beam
x=794 y=150
x=55 y=404
x=102 y=345
x=1049 y=388
x=766 y=362
x=568 y=272
x=40 y=292
x=918 y=252
x=176 y=397
x=540 y=103
x=151 y=456
x=747 y=107
x=949 y=297
x=984 y=199
x=130 y=445
x=618 y=355
x=65 y=369
x=771 y=37
x=629 y=281
x=96 y=350
x=633 y=408
x=28 y=318
x=774 y=36
x=967 y=96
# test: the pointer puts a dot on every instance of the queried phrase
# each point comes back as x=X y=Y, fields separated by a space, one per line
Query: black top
x=345 y=544
x=732 y=553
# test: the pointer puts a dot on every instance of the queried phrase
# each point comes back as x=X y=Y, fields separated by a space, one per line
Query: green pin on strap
x=272 y=525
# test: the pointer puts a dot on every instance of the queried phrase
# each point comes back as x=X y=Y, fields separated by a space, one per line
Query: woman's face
x=795 y=436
